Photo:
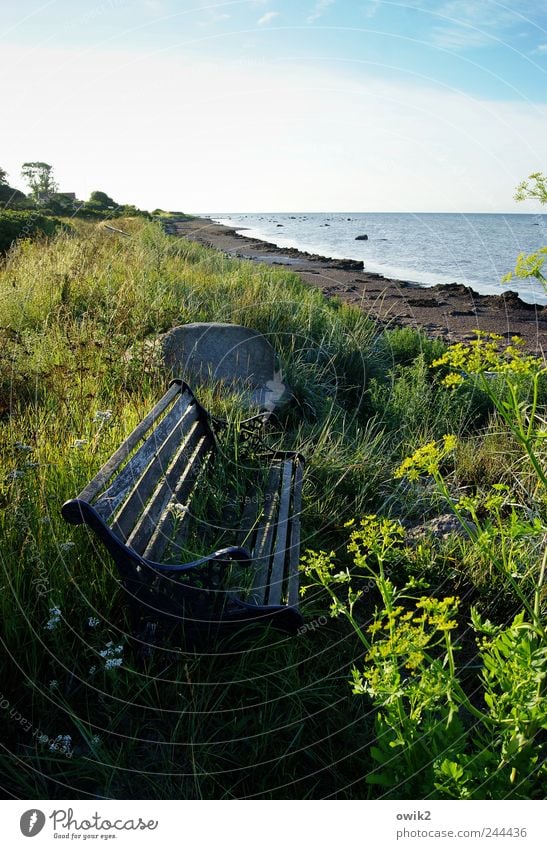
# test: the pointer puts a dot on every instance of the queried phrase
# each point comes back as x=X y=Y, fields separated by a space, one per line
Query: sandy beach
x=452 y=312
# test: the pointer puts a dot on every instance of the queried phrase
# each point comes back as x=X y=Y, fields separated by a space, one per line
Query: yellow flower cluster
x=426 y=459
x=376 y=534
x=485 y=354
x=402 y=636
x=529 y=265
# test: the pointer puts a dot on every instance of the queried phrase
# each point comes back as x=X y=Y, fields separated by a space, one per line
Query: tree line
x=44 y=195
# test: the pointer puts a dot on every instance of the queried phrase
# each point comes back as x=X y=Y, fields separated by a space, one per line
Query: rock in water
x=363 y=238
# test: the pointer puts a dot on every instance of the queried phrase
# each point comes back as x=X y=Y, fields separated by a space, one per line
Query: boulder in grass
x=240 y=357
x=439 y=528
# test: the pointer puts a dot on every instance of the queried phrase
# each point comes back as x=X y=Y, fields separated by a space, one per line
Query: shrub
x=24 y=225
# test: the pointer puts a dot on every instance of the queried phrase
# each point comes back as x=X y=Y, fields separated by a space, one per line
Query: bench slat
x=105 y=473
x=294 y=551
x=278 y=564
x=127 y=479
x=264 y=538
x=249 y=519
x=184 y=432
x=167 y=533
x=187 y=457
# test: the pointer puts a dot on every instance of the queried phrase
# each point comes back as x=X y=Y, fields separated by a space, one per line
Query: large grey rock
x=440 y=528
x=236 y=355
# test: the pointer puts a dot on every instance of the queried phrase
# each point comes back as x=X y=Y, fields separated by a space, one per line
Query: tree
x=10 y=197
x=531 y=265
x=39 y=176
x=535 y=187
x=101 y=200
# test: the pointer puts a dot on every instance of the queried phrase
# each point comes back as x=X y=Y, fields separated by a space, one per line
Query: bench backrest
x=141 y=491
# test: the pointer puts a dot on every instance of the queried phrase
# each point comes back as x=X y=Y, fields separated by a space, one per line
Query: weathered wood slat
x=249 y=520
x=172 y=528
x=264 y=538
x=294 y=548
x=105 y=473
x=188 y=456
x=280 y=545
x=184 y=433
x=128 y=478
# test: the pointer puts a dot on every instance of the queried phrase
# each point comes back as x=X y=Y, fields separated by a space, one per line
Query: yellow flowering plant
x=509 y=537
x=512 y=380
x=531 y=265
x=409 y=669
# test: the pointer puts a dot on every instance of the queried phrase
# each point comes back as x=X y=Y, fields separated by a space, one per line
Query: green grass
x=265 y=717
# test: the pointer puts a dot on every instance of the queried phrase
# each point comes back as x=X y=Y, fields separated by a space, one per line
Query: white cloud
x=318 y=10
x=155 y=6
x=371 y=7
x=183 y=133
x=460 y=38
x=541 y=48
x=267 y=18
x=467 y=24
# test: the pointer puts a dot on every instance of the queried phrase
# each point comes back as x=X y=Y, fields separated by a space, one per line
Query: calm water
x=425 y=248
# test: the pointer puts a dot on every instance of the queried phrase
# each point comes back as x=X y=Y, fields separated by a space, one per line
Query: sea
x=426 y=248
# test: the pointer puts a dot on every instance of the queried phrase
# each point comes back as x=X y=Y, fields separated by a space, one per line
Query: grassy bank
x=273 y=718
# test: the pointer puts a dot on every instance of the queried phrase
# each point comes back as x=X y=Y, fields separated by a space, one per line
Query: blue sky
x=250 y=105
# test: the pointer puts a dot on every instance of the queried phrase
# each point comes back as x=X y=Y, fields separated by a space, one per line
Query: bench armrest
x=231 y=553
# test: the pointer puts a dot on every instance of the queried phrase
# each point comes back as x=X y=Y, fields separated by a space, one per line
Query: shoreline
x=451 y=311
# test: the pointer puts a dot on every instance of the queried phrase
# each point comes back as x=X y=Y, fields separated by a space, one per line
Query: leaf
x=380 y=778
x=452 y=769
x=378 y=755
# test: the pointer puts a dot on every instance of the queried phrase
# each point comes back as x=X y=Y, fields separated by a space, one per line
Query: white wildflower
x=22 y=447
x=92 y=670
x=54 y=618
x=79 y=444
x=93 y=621
x=112 y=655
x=111 y=650
x=102 y=416
x=95 y=740
x=62 y=743
x=66 y=546
x=54 y=685
x=15 y=475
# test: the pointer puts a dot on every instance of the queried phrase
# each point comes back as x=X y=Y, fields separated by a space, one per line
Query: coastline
x=451 y=312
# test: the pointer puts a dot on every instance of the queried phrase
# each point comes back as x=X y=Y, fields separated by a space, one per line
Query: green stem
x=533 y=409
x=439 y=480
x=518 y=431
x=539 y=585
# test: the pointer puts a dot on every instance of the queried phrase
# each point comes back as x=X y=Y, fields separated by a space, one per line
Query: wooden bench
x=140 y=505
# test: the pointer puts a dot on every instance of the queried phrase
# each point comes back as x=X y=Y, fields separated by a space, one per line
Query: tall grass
x=253 y=718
